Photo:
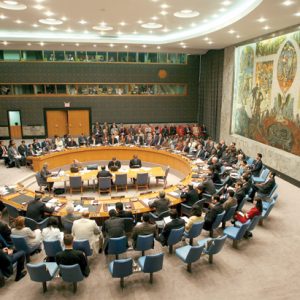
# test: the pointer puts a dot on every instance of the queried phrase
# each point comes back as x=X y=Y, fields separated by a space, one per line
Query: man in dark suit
x=191 y=196
x=161 y=204
x=207 y=186
x=37 y=208
x=239 y=192
x=121 y=213
x=112 y=228
x=36 y=145
x=71 y=257
x=174 y=224
x=114 y=165
x=4 y=153
x=103 y=173
x=264 y=188
x=5 y=231
x=45 y=173
x=135 y=162
x=22 y=149
x=215 y=208
x=144 y=228
x=257 y=165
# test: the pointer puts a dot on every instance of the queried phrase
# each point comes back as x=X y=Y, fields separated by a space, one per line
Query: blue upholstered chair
x=237 y=233
x=40 y=181
x=76 y=184
x=84 y=246
x=144 y=242
x=266 y=196
x=42 y=272
x=104 y=185
x=12 y=211
x=121 y=268
x=117 y=246
x=228 y=215
x=216 y=223
x=262 y=177
x=21 y=244
x=121 y=182
x=266 y=211
x=215 y=247
x=4 y=242
x=71 y=274
x=151 y=264
x=52 y=248
x=266 y=204
x=194 y=231
x=33 y=225
x=187 y=209
x=242 y=203
x=174 y=238
x=189 y=254
x=142 y=180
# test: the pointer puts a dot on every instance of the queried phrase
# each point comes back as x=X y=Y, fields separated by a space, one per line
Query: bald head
x=85 y=214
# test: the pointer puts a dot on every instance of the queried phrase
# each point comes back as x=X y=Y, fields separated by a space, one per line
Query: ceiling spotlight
x=163 y=12
x=135 y=32
x=288 y=2
x=266 y=27
x=151 y=25
x=94 y=45
x=261 y=20
x=19 y=21
x=5 y=43
x=86 y=31
x=215 y=16
x=226 y=3
x=64 y=18
x=122 y=23
x=140 y=22
x=103 y=27
x=2 y=17
x=28 y=44
x=125 y=46
x=77 y=45
x=150 y=31
x=144 y=46
x=163 y=6
x=49 y=13
x=42 y=44
x=210 y=42
x=186 y=13
x=184 y=46
x=181 y=43
x=38 y=7
x=102 y=32
x=62 y=45
x=238 y=36
x=222 y=9
x=158 y=47
x=111 y=45
x=50 y=21
x=166 y=30
x=119 y=33
x=154 y=18
x=179 y=28
x=193 y=25
x=82 y=22
x=12 y=5
x=297 y=14
x=35 y=25
x=206 y=39
x=52 y=28
x=205 y=21
x=69 y=30
x=231 y=31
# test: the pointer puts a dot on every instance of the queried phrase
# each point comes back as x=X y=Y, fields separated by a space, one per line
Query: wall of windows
x=93 y=56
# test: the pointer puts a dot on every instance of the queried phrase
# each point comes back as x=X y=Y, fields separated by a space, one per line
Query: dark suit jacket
x=113 y=227
x=256 y=168
x=114 y=164
x=125 y=214
x=22 y=150
x=239 y=195
x=5 y=232
x=212 y=214
x=191 y=197
x=6 y=268
x=104 y=173
x=174 y=224
x=135 y=163
x=267 y=187
x=72 y=257
x=143 y=229
x=36 y=210
x=160 y=205
x=207 y=186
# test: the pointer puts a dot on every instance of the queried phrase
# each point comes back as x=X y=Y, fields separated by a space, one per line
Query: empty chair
x=142 y=180
x=84 y=246
x=216 y=223
x=104 y=185
x=237 y=233
x=262 y=177
x=194 y=231
x=250 y=160
x=174 y=238
x=144 y=242
x=52 y=248
x=229 y=215
x=242 y=203
x=21 y=244
x=266 y=196
x=189 y=254
x=216 y=245
x=220 y=185
x=266 y=204
x=252 y=225
x=163 y=178
x=40 y=181
x=266 y=212
x=33 y=225
x=12 y=211
x=121 y=182
x=151 y=264
x=117 y=246
x=187 y=209
x=76 y=184
x=71 y=274
x=42 y=272
x=121 y=268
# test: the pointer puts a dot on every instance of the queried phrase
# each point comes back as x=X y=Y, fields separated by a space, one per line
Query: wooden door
x=79 y=122
x=15 y=132
x=57 y=122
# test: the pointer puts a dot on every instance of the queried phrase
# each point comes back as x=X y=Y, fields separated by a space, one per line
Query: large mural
x=266 y=104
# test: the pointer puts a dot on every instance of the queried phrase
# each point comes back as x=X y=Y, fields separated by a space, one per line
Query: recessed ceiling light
x=52 y=28
x=181 y=43
x=163 y=12
x=210 y=42
x=222 y=9
x=186 y=13
x=158 y=47
x=226 y=3
x=19 y=21
x=151 y=25
x=288 y=2
x=28 y=44
x=206 y=38
x=12 y=5
x=35 y=25
x=50 y=21
x=111 y=45
x=86 y=31
x=297 y=14
x=163 y=6
x=122 y=23
x=154 y=18
x=102 y=32
x=38 y=7
x=150 y=31
x=261 y=20
x=42 y=44
x=77 y=44
x=205 y=21
x=238 y=36
x=39 y=1
x=125 y=46
x=184 y=46
x=135 y=32
x=140 y=22
x=94 y=45
x=103 y=27
x=5 y=43
x=193 y=25
x=215 y=16
x=64 y=18
x=82 y=22
x=49 y=13
x=69 y=30
x=119 y=33
x=166 y=30
x=231 y=31
x=144 y=46
x=266 y=27
x=154 y=0
x=179 y=28
x=2 y=17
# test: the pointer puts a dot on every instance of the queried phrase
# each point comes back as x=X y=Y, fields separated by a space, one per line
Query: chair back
x=84 y=246
x=167 y=171
x=71 y=273
x=144 y=242
x=175 y=236
x=218 y=220
x=38 y=272
x=195 y=230
x=163 y=214
x=12 y=211
x=122 y=268
x=264 y=174
x=275 y=198
x=39 y=180
x=273 y=190
x=240 y=206
x=266 y=212
x=32 y=224
x=3 y=241
x=153 y=263
x=216 y=245
x=121 y=179
x=43 y=224
x=254 y=222
x=142 y=178
x=242 y=230
x=250 y=161
x=67 y=226
x=128 y=224
x=75 y=182
x=104 y=183
x=194 y=254
x=20 y=243
x=52 y=247
x=229 y=213
x=117 y=245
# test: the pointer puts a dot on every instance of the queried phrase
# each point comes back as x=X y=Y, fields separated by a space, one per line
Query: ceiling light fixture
x=38 y=7
x=297 y=14
x=111 y=45
x=42 y=44
x=164 y=5
x=5 y=43
x=2 y=17
x=51 y=21
x=35 y=25
x=69 y=30
x=103 y=27
x=180 y=28
x=49 y=13
x=158 y=47
x=140 y=22
x=266 y=27
x=238 y=36
x=28 y=44
x=52 y=28
x=82 y=22
x=12 y=5
x=210 y=42
x=186 y=13
x=165 y=30
x=144 y=46
x=287 y=2
x=163 y=12
x=94 y=45
x=226 y=3
x=122 y=23
x=231 y=31
x=261 y=20
x=135 y=32
x=64 y=18
x=151 y=25
x=19 y=21
x=77 y=44
x=155 y=18
x=125 y=46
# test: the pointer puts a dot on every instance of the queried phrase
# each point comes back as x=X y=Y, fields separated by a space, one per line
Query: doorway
x=15 y=126
x=68 y=121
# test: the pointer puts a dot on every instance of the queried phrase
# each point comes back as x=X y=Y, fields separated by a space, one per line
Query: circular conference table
x=98 y=208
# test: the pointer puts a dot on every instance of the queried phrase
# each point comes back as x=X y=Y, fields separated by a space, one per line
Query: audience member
x=114 y=165
x=161 y=204
x=215 y=208
x=52 y=232
x=196 y=217
x=121 y=213
x=69 y=218
x=135 y=162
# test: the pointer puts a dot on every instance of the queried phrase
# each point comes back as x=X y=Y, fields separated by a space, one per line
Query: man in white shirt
x=86 y=229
